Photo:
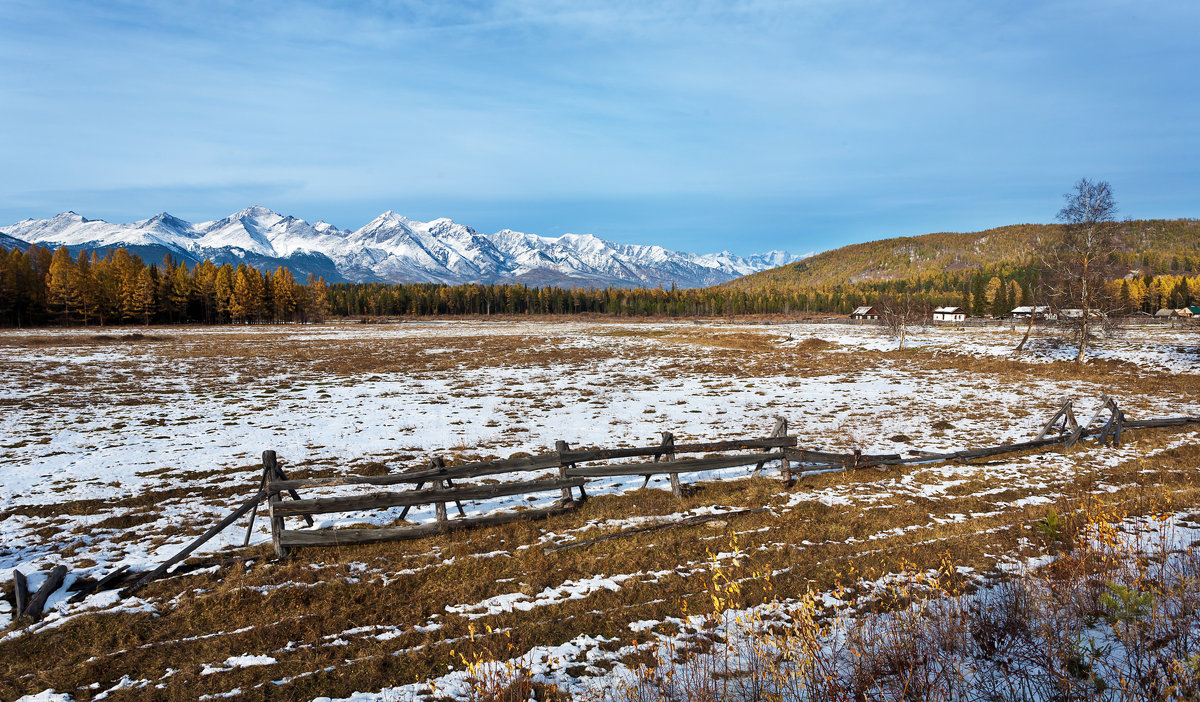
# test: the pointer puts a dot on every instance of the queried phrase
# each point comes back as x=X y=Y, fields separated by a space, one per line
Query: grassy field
x=118 y=448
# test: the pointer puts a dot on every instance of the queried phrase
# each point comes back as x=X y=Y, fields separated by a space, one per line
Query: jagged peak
x=254 y=211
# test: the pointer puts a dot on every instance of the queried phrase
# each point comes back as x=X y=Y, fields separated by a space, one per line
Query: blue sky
x=700 y=126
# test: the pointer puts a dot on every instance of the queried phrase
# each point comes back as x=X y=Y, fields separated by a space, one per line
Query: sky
x=700 y=126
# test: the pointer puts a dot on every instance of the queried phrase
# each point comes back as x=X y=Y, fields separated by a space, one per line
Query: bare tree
x=900 y=314
x=1079 y=262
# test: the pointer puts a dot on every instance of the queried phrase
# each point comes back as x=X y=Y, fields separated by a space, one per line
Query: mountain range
x=392 y=248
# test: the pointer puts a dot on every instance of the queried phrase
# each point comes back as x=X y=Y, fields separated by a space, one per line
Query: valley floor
x=121 y=451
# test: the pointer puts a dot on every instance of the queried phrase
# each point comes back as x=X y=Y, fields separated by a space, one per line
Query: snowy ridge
x=393 y=248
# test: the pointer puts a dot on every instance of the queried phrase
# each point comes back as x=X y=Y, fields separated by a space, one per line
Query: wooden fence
x=564 y=470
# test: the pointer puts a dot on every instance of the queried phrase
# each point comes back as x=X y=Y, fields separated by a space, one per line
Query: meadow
x=121 y=445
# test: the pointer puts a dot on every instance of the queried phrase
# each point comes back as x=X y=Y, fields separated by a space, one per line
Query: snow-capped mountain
x=393 y=248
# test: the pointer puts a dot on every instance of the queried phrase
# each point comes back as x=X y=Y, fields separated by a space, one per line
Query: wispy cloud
x=948 y=107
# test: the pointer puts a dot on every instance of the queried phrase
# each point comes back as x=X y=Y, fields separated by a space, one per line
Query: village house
x=949 y=314
x=1038 y=312
x=866 y=312
x=1166 y=312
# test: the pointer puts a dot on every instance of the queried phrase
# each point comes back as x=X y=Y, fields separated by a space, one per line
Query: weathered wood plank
x=343 y=537
x=461 y=472
x=383 y=500
x=37 y=603
x=98 y=585
x=21 y=592
x=1064 y=409
x=689 y=521
x=212 y=531
x=985 y=452
x=694 y=466
x=1161 y=422
x=846 y=459
x=586 y=455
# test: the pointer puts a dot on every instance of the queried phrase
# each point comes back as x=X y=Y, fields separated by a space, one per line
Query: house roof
x=863 y=310
x=1165 y=312
x=1027 y=309
x=950 y=310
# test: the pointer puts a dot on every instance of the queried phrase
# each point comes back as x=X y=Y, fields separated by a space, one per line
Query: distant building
x=949 y=314
x=1185 y=312
x=1166 y=312
x=865 y=313
x=1195 y=310
x=1037 y=312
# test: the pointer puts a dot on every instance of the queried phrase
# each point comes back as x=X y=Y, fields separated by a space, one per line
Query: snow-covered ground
x=169 y=429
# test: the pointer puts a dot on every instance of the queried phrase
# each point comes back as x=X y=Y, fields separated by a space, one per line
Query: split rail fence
x=563 y=470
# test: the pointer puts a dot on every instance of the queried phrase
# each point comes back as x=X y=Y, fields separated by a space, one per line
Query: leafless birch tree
x=1079 y=262
x=900 y=314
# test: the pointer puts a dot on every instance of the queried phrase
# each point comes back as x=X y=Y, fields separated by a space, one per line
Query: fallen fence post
x=37 y=603
x=213 y=531
x=21 y=592
x=98 y=585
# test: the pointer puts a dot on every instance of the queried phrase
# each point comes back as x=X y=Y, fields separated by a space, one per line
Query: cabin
x=1185 y=312
x=866 y=312
x=1076 y=313
x=949 y=314
x=1166 y=313
x=1037 y=312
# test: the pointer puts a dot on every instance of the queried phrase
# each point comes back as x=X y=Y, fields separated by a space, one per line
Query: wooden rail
x=568 y=474
x=383 y=500
x=693 y=466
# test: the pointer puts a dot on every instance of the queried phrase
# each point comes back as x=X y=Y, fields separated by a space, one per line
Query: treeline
x=40 y=287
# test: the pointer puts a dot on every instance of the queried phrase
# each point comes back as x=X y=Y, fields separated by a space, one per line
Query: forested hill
x=1153 y=246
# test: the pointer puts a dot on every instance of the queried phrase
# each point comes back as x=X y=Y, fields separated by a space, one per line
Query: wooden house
x=866 y=312
x=949 y=314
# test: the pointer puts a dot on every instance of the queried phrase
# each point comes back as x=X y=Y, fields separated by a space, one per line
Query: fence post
x=270 y=467
x=668 y=445
x=781 y=429
x=439 y=485
x=562 y=447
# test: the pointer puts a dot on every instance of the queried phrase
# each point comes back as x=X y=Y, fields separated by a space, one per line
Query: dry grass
x=293 y=609
x=300 y=610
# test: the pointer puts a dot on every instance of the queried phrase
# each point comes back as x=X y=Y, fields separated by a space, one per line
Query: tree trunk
x=1083 y=341
x=1028 y=328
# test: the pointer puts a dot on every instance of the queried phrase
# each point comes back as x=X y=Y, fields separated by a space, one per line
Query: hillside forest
x=40 y=287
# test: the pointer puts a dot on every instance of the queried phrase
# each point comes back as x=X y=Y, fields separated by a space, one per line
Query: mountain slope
x=393 y=248
x=1153 y=243
x=9 y=242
